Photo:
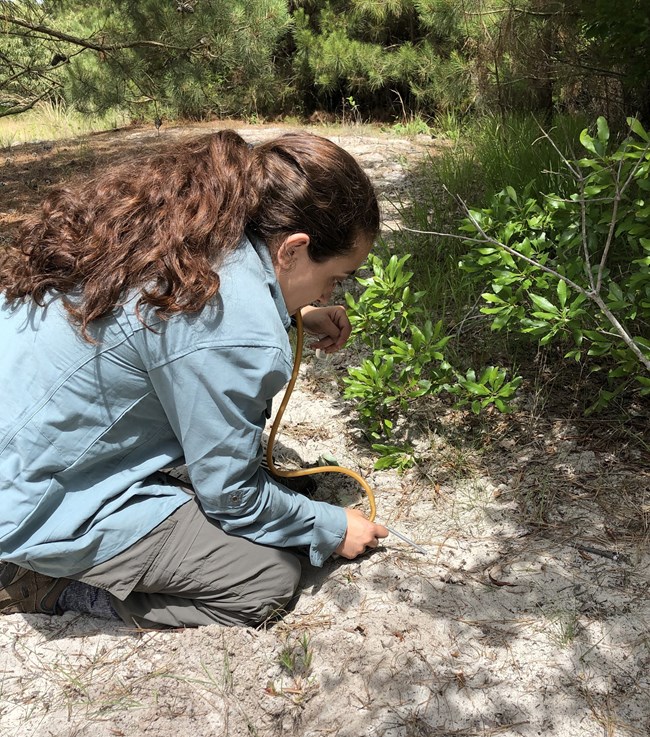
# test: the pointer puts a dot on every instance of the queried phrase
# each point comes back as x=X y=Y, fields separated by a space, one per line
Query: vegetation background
x=389 y=60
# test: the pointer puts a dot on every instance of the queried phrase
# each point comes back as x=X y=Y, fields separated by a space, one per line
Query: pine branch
x=586 y=67
x=90 y=44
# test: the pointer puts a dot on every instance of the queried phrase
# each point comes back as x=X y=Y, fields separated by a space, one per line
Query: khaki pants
x=187 y=572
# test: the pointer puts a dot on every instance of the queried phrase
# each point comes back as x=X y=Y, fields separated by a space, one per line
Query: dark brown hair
x=309 y=184
x=161 y=225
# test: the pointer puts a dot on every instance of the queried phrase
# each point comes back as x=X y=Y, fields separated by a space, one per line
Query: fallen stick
x=617 y=557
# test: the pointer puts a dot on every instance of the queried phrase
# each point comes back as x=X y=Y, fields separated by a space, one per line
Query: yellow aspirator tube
x=276 y=423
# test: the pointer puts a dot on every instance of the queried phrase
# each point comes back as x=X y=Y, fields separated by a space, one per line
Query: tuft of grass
x=565 y=625
x=412 y=126
x=491 y=152
x=296 y=658
x=449 y=124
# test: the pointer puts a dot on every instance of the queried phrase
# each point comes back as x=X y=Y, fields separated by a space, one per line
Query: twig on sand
x=617 y=557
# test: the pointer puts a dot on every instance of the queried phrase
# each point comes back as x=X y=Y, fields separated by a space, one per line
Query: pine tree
x=183 y=57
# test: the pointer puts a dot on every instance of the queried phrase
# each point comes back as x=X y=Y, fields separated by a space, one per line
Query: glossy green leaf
x=543 y=304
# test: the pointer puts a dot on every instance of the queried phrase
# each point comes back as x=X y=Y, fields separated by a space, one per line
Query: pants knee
x=272 y=589
x=269 y=588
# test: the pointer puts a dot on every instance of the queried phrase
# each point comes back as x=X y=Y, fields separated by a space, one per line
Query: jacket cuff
x=329 y=530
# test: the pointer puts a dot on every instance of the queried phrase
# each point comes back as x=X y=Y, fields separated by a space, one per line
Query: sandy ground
x=527 y=615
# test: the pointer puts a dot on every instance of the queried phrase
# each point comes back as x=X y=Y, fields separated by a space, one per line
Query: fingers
x=331 y=323
x=361 y=535
x=340 y=319
x=380 y=532
x=323 y=343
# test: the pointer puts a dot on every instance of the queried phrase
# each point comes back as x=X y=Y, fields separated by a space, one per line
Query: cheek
x=320 y=283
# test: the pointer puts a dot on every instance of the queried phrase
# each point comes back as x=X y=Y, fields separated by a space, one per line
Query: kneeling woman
x=143 y=323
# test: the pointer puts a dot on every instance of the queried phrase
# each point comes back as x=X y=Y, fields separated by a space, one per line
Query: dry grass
x=53 y=121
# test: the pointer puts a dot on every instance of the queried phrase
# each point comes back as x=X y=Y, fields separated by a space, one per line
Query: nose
x=326 y=295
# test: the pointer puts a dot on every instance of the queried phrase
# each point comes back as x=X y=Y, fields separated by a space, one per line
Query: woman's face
x=304 y=281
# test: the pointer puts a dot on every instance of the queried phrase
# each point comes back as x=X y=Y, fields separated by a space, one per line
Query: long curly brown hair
x=162 y=225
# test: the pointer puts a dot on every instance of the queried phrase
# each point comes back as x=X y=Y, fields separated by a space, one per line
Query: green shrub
x=407 y=362
x=404 y=355
x=574 y=270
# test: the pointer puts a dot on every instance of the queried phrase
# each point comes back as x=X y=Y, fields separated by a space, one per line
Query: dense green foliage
x=384 y=55
x=575 y=270
x=371 y=59
x=559 y=262
x=407 y=362
x=217 y=60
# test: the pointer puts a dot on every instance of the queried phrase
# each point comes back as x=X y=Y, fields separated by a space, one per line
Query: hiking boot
x=27 y=592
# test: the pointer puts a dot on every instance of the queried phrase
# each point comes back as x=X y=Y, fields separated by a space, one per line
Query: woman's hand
x=360 y=535
x=331 y=323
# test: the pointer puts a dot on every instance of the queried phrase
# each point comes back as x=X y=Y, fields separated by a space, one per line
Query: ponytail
x=162 y=225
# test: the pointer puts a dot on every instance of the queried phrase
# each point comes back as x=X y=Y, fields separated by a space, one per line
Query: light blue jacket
x=82 y=426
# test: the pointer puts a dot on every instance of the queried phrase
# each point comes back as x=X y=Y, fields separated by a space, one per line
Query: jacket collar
x=271 y=279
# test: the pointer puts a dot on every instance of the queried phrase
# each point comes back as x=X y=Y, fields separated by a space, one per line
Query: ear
x=290 y=249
